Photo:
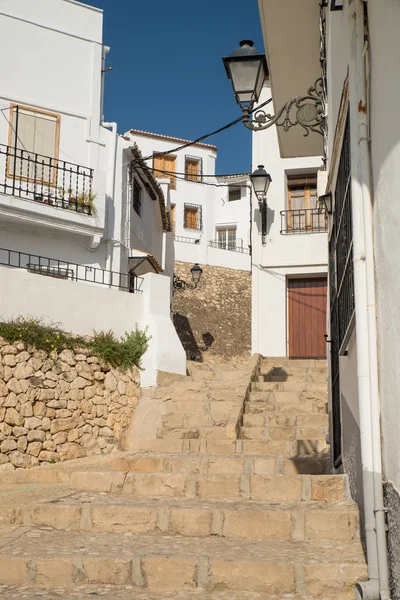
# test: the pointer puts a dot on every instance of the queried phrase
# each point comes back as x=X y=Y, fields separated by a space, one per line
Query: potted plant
x=85 y=202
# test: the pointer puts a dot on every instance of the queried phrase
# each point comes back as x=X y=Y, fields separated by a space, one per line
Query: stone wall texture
x=216 y=317
x=61 y=407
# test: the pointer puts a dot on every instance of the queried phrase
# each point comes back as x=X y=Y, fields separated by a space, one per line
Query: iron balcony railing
x=47 y=180
x=308 y=220
x=186 y=240
x=60 y=269
x=227 y=245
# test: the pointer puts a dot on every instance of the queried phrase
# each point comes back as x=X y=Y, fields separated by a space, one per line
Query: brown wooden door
x=307 y=317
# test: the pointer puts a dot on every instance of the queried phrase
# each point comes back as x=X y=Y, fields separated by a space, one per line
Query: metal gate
x=341 y=277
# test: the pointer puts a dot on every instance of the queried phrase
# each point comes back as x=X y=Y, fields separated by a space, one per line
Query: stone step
x=284 y=397
x=192 y=432
x=82 y=592
x=227 y=486
x=94 y=513
x=161 y=565
x=285 y=420
x=281 y=386
x=298 y=432
x=306 y=406
x=303 y=364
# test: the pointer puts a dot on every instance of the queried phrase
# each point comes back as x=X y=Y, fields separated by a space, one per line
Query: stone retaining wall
x=61 y=407
x=216 y=317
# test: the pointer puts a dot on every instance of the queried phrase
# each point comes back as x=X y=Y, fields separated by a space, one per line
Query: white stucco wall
x=384 y=19
x=83 y=308
x=58 y=59
x=217 y=211
x=282 y=255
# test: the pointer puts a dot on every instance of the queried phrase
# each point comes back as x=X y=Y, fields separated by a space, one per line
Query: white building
x=358 y=43
x=289 y=262
x=69 y=190
x=210 y=214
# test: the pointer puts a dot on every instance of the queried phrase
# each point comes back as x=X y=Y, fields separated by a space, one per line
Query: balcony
x=47 y=180
x=309 y=220
x=235 y=245
x=49 y=192
x=62 y=269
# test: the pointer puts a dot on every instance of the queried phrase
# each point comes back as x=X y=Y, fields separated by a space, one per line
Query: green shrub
x=123 y=354
x=34 y=332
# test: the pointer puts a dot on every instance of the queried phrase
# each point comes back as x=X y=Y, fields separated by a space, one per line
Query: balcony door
x=302 y=202
x=307 y=317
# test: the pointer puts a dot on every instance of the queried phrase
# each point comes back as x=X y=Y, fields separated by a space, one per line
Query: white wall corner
x=165 y=352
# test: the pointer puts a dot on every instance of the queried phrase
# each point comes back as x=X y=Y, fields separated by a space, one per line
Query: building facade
x=210 y=215
x=69 y=187
x=356 y=44
x=290 y=258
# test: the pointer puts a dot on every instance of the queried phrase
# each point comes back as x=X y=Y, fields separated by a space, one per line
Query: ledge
x=60 y=219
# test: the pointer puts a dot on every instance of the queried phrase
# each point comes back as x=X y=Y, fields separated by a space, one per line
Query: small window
x=137 y=198
x=226 y=238
x=34 y=134
x=234 y=193
x=165 y=168
x=193 y=170
x=192 y=217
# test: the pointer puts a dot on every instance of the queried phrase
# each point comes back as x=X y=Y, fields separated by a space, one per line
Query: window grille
x=341 y=278
x=192 y=216
x=234 y=193
x=193 y=168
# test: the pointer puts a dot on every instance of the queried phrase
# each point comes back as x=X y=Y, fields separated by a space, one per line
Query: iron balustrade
x=341 y=277
x=53 y=267
x=51 y=181
x=307 y=220
x=227 y=246
x=187 y=240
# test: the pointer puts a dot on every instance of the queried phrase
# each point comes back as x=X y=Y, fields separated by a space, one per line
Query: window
x=173 y=217
x=164 y=167
x=234 y=193
x=137 y=198
x=192 y=217
x=35 y=136
x=193 y=168
x=226 y=238
x=302 y=201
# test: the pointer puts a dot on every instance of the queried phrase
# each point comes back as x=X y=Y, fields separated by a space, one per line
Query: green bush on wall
x=122 y=354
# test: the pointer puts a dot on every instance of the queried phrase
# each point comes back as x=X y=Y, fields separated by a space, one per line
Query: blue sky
x=168 y=75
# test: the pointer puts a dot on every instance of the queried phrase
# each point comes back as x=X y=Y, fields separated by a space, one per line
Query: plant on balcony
x=86 y=201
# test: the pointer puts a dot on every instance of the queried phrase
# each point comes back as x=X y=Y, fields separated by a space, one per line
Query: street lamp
x=325 y=201
x=196 y=272
x=247 y=70
x=261 y=181
x=180 y=284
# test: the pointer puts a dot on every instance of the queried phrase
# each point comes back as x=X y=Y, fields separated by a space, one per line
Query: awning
x=141 y=264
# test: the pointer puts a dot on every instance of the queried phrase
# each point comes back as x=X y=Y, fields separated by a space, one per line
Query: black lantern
x=325 y=201
x=260 y=180
x=247 y=70
x=196 y=272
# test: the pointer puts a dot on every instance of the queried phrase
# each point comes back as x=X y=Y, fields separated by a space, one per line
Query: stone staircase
x=226 y=495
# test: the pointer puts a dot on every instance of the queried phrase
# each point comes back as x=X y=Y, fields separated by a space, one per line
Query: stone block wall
x=60 y=407
x=216 y=317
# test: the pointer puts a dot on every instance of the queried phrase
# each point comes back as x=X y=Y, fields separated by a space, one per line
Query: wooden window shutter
x=192 y=169
x=169 y=165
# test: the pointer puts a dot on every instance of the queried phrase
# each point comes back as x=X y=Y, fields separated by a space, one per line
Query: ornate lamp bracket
x=308 y=111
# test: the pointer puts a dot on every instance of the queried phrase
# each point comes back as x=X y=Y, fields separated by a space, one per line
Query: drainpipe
x=110 y=234
x=367 y=590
